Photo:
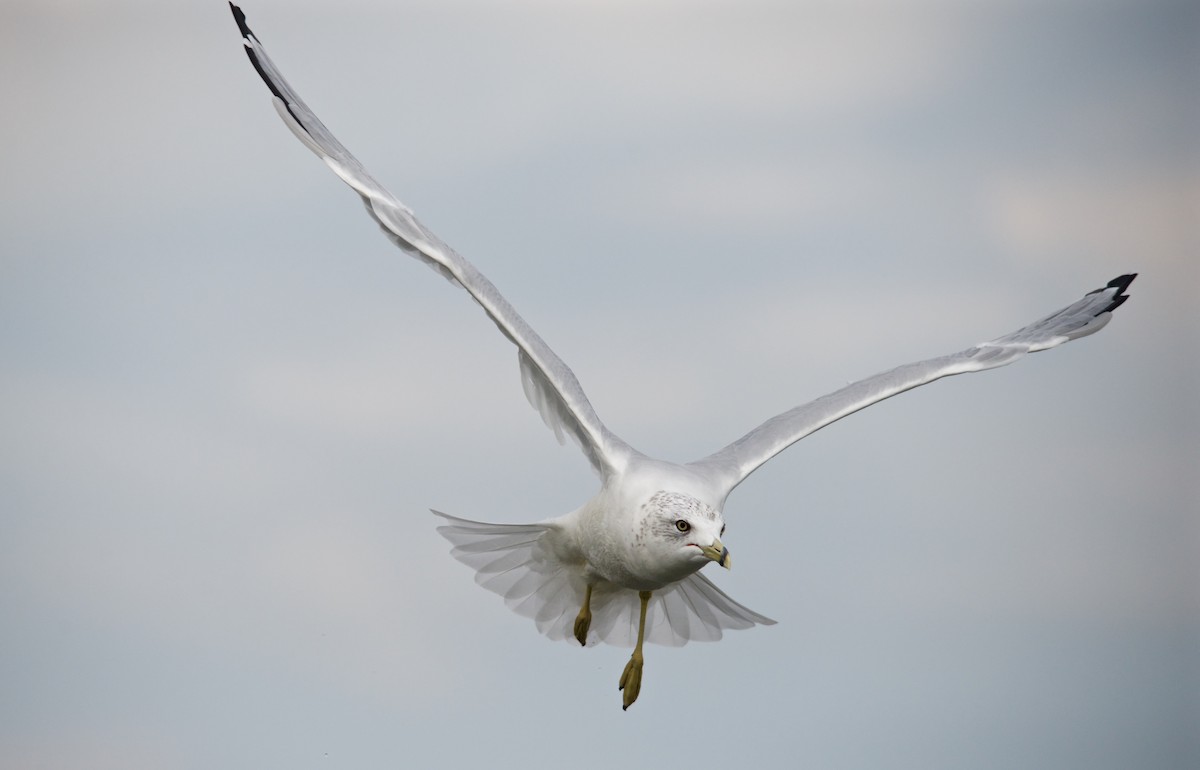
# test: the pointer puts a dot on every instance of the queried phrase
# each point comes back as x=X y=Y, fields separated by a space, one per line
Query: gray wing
x=549 y=384
x=731 y=465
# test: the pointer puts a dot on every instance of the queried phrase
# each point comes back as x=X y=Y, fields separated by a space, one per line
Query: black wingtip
x=240 y=18
x=1120 y=283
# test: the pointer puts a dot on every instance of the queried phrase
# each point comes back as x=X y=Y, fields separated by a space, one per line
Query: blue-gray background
x=228 y=402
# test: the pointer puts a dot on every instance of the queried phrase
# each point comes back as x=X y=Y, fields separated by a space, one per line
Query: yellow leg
x=631 y=678
x=583 y=620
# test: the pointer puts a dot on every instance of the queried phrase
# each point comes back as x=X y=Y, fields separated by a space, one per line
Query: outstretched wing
x=549 y=384
x=512 y=561
x=735 y=462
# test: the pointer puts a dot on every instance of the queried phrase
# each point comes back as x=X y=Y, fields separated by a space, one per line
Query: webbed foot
x=583 y=621
x=631 y=677
x=631 y=680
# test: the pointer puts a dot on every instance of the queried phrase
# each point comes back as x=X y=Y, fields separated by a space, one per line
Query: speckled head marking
x=664 y=510
x=682 y=505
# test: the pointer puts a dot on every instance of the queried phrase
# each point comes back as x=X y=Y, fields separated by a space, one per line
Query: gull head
x=682 y=533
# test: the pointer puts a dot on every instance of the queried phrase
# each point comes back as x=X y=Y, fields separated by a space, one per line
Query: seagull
x=624 y=568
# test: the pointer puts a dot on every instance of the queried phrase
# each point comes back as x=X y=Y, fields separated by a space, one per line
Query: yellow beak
x=717 y=552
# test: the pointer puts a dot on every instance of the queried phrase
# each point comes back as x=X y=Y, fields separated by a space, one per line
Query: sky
x=229 y=403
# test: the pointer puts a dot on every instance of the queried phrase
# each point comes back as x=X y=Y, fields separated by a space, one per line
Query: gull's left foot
x=631 y=680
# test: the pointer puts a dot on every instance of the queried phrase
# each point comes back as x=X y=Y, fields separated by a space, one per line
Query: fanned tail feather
x=512 y=560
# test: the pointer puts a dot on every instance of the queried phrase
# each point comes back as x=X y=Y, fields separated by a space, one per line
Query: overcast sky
x=228 y=402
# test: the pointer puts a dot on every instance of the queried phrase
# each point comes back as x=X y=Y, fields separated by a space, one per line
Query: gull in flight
x=624 y=568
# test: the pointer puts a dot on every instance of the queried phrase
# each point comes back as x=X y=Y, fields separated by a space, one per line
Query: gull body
x=624 y=568
x=629 y=534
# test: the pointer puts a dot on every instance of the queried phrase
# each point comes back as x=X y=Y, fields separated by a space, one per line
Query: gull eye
x=722 y=530
x=682 y=526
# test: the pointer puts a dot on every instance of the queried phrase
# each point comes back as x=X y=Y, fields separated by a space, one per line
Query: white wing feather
x=735 y=462
x=509 y=560
x=548 y=383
